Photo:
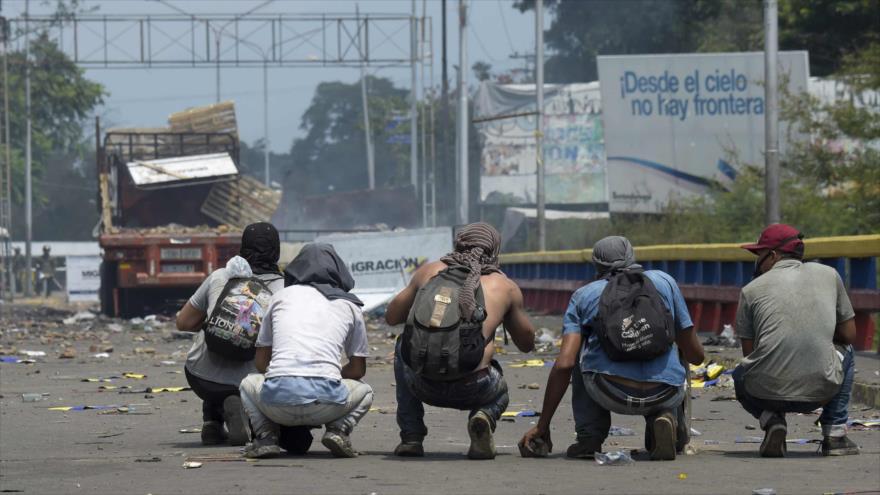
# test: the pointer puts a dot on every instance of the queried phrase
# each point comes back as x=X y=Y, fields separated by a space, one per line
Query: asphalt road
x=142 y=451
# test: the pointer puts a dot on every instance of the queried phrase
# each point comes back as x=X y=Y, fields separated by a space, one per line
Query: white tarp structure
x=166 y=170
x=83 y=278
x=673 y=121
x=383 y=262
x=574 y=152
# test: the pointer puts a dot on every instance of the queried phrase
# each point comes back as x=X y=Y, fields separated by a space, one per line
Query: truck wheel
x=108 y=283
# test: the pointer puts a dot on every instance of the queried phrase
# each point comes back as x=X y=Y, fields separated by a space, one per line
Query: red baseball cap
x=778 y=237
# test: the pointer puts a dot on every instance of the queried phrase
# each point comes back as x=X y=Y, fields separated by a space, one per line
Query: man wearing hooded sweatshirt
x=652 y=388
x=215 y=378
x=309 y=328
x=483 y=391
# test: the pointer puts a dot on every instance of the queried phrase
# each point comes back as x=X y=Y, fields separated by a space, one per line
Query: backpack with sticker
x=437 y=343
x=633 y=323
x=232 y=328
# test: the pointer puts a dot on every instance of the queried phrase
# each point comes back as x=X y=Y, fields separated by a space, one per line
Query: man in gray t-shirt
x=213 y=377
x=796 y=324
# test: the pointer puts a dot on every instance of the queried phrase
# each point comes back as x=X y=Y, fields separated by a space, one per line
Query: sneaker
x=774 y=439
x=338 y=443
x=409 y=448
x=839 y=446
x=583 y=449
x=480 y=431
x=262 y=448
x=663 y=438
x=212 y=433
x=233 y=416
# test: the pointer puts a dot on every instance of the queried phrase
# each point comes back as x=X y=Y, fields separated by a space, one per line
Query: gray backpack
x=437 y=343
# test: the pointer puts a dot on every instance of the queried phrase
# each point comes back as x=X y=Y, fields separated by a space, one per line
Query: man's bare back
x=504 y=305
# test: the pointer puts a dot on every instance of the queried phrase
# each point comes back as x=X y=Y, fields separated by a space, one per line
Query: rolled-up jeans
x=592 y=408
x=265 y=418
x=484 y=390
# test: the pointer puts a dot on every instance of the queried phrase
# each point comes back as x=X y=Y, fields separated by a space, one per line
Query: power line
x=504 y=23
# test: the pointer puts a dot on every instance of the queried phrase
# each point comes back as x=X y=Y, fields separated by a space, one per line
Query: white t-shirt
x=309 y=334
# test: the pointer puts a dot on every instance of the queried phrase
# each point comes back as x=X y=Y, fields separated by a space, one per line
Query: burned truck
x=172 y=207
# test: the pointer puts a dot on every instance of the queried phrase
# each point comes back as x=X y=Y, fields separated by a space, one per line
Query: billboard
x=383 y=262
x=83 y=277
x=574 y=152
x=673 y=122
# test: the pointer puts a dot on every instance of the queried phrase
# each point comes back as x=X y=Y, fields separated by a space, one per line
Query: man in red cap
x=796 y=325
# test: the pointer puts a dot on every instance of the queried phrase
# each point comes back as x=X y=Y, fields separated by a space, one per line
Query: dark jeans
x=592 y=408
x=484 y=391
x=212 y=394
x=835 y=412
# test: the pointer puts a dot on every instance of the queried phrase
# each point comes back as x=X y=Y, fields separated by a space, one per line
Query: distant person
x=310 y=328
x=228 y=308
x=620 y=347
x=795 y=322
x=18 y=270
x=451 y=309
x=47 y=273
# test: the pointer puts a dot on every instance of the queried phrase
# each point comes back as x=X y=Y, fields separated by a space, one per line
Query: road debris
x=616 y=458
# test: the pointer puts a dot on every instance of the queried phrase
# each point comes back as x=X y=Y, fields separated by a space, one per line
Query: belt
x=622 y=397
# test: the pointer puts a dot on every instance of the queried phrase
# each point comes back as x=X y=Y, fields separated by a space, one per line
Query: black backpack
x=633 y=323
x=437 y=343
x=231 y=330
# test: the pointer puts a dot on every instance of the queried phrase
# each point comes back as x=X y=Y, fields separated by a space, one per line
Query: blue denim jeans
x=592 y=409
x=835 y=412
x=483 y=391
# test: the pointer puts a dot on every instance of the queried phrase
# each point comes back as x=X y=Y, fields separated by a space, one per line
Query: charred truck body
x=172 y=206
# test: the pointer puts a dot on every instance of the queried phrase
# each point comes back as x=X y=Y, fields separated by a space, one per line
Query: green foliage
x=62 y=100
x=332 y=155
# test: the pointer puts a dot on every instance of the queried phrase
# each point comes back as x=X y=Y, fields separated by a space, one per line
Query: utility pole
x=446 y=172
x=28 y=193
x=413 y=109
x=368 y=135
x=539 y=132
x=771 y=114
x=464 y=193
x=7 y=201
x=266 y=123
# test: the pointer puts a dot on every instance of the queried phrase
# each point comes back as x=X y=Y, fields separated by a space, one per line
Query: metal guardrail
x=709 y=275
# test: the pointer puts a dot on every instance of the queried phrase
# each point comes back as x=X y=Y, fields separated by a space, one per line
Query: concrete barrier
x=710 y=276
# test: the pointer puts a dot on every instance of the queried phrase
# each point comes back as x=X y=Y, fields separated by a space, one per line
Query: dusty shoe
x=663 y=438
x=774 y=440
x=583 y=450
x=409 y=448
x=212 y=433
x=338 y=443
x=263 y=448
x=480 y=431
x=839 y=446
x=233 y=416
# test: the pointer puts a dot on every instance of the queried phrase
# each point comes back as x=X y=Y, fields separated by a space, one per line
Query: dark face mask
x=800 y=252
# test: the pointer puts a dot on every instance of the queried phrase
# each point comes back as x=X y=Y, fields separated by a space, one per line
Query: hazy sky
x=146 y=97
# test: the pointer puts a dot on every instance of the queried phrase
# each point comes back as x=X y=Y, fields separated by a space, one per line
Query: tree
x=62 y=100
x=582 y=30
x=331 y=157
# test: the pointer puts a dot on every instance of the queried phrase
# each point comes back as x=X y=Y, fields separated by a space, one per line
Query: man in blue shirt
x=654 y=388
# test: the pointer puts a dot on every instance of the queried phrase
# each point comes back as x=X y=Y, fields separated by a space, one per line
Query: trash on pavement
x=530 y=386
x=134 y=376
x=192 y=465
x=531 y=363
x=682 y=476
x=510 y=415
x=33 y=397
x=617 y=458
x=32 y=354
x=81 y=316
x=864 y=424
x=157 y=390
x=101 y=355
x=148 y=459
x=695 y=432
x=763 y=491
x=190 y=430
x=619 y=431
x=80 y=408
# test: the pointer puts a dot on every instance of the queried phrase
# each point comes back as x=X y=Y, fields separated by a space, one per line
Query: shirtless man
x=483 y=390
